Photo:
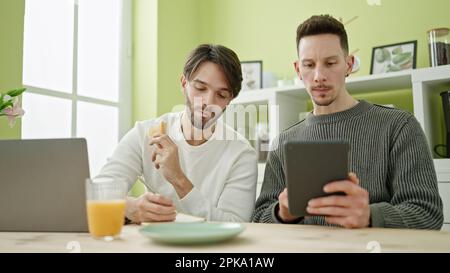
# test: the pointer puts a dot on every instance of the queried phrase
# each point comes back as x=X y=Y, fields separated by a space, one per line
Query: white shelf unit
x=427 y=84
x=443 y=174
x=286 y=103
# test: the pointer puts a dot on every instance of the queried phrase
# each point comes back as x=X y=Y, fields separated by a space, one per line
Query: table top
x=256 y=238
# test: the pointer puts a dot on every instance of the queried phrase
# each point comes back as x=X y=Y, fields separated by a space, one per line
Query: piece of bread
x=161 y=129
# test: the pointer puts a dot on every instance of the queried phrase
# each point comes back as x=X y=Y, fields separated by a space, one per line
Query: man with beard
x=199 y=166
x=393 y=183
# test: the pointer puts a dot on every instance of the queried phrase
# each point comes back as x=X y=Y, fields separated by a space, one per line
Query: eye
x=200 y=87
x=331 y=63
x=223 y=95
x=308 y=65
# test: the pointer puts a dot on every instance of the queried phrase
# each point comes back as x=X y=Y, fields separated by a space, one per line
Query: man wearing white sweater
x=199 y=166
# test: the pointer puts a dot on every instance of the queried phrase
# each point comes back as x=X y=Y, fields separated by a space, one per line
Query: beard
x=324 y=102
x=195 y=113
x=324 y=99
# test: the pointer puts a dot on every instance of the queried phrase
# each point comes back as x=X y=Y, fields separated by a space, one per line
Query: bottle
x=439 y=46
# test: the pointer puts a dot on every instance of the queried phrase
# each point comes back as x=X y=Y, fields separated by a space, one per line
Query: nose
x=209 y=98
x=319 y=75
x=204 y=100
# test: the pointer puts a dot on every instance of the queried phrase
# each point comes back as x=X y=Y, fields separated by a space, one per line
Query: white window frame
x=125 y=56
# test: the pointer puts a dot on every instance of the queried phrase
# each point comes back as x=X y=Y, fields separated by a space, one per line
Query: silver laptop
x=42 y=185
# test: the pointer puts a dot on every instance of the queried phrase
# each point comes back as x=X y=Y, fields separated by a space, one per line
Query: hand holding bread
x=158 y=130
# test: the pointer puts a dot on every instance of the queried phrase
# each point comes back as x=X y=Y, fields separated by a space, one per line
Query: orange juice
x=105 y=217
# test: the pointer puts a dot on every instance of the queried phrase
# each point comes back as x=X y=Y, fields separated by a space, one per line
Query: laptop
x=42 y=185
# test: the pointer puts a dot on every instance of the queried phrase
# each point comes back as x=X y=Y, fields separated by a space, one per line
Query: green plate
x=192 y=233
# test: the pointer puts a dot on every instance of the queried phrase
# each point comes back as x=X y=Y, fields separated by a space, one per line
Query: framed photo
x=252 y=75
x=395 y=57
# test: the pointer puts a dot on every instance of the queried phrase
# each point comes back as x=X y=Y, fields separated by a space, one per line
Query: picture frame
x=394 y=57
x=251 y=75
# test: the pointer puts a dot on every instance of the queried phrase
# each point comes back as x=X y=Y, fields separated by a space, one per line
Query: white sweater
x=223 y=172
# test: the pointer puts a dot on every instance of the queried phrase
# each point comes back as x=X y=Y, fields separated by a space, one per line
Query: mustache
x=322 y=86
x=212 y=111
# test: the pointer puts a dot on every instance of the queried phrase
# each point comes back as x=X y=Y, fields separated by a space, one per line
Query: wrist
x=286 y=219
x=131 y=215
x=182 y=185
x=179 y=180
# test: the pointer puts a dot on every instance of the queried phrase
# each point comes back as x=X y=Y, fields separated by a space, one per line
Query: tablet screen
x=309 y=166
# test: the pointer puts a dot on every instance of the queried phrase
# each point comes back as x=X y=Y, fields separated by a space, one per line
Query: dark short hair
x=220 y=55
x=323 y=24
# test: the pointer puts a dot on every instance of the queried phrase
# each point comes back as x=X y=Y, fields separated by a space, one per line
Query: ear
x=350 y=62
x=183 y=84
x=297 y=69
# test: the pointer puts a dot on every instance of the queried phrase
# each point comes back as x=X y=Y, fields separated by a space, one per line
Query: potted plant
x=10 y=105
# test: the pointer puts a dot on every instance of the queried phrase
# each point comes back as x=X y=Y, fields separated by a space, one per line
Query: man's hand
x=283 y=212
x=350 y=211
x=166 y=159
x=150 y=207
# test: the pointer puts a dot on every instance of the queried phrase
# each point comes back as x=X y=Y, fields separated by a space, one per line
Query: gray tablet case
x=42 y=185
x=309 y=166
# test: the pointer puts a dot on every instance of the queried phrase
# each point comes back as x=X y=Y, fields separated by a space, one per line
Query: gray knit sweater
x=389 y=154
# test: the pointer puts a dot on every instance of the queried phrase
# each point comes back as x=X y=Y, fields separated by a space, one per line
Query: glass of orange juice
x=105 y=207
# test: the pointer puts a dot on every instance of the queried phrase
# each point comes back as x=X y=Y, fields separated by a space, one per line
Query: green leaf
x=393 y=68
x=379 y=56
x=382 y=54
x=9 y=103
x=397 y=50
x=402 y=58
x=16 y=92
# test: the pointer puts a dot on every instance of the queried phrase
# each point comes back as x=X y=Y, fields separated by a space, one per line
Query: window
x=77 y=66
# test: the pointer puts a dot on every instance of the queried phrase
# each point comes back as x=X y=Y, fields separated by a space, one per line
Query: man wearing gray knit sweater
x=393 y=183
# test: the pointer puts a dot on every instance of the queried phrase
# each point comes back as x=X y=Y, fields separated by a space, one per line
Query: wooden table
x=257 y=238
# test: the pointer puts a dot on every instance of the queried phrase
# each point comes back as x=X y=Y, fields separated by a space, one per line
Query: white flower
x=7 y=98
x=13 y=112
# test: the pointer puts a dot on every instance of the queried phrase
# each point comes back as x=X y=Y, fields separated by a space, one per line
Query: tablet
x=309 y=166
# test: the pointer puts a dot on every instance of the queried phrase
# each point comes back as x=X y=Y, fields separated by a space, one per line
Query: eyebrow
x=204 y=83
x=327 y=58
